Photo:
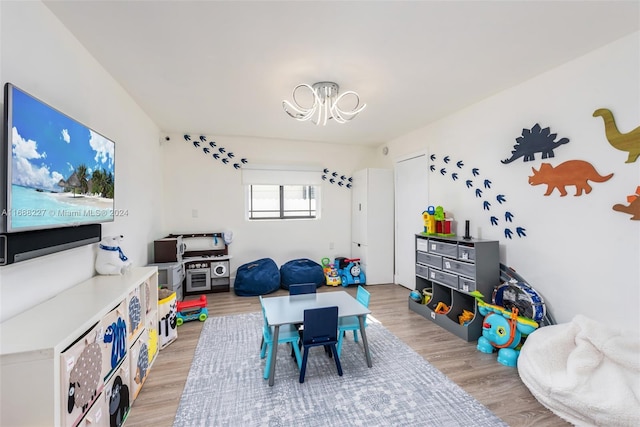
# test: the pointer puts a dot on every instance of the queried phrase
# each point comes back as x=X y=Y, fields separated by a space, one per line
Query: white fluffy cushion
x=584 y=372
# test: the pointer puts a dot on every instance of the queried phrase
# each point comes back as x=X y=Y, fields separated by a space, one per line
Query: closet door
x=411 y=199
x=359 y=207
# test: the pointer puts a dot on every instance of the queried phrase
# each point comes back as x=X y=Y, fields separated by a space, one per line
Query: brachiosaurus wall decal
x=629 y=142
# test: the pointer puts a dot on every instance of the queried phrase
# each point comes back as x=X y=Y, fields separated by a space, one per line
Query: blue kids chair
x=351 y=323
x=320 y=329
x=287 y=334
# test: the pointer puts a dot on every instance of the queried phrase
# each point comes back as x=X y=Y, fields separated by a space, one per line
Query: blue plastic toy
x=503 y=330
x=349 y=271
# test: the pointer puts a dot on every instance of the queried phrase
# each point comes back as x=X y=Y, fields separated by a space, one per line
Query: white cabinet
x=100 y=320
x=372 y=224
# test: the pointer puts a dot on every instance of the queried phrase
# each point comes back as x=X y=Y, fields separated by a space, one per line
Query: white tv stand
x=37 y=348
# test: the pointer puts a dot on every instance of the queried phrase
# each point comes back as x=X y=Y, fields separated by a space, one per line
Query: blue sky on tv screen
x=47 y=145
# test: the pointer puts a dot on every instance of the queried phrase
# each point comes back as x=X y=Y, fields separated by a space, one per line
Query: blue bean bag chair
x=257 y=278
x=301 y=270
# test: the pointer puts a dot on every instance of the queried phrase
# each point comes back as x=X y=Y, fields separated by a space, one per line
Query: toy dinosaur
x=535 y=140
x=572 y=172
x=629 y=142
x=633 y=208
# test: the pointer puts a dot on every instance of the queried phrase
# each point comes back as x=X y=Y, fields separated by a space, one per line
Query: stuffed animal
x=111 y=260
x=503 y=330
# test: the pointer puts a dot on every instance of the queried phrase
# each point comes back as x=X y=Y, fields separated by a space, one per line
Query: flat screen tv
x=57 y=171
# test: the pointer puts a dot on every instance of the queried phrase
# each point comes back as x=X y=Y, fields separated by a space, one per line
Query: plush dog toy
x=111 y=260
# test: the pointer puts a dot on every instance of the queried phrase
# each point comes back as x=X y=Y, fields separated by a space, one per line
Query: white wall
x=580 y=254
x=40 y=56
x=196 y=181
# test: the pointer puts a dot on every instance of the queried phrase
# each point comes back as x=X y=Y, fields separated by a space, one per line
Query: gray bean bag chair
x=257 y=278
x=301 y=270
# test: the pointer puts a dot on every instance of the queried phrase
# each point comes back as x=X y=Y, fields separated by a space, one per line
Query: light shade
x=325 y=104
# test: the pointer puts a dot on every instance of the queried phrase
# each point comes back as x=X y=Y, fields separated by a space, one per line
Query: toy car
x=349 y=271
x=192 y=310
x=331 y=275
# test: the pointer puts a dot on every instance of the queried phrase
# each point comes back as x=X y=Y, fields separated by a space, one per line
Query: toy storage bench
x=453 y=268
x=93 y=338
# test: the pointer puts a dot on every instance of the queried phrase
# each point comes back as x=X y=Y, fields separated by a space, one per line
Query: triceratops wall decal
x=571 y=172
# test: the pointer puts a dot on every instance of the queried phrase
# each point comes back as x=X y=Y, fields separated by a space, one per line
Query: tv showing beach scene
x=61 y=173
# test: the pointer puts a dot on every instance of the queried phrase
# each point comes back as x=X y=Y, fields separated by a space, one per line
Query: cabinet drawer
x=466 y=285
x=443 y=248
x=422 y=271
x=429 y=259
x=467 y=253
x=422 y=245
x=443 y=278
x=459 y=267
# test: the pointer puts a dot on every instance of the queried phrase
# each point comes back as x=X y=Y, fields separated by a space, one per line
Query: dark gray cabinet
x=453 y=268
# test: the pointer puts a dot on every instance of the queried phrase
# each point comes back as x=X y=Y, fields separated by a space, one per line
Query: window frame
x=281 y=214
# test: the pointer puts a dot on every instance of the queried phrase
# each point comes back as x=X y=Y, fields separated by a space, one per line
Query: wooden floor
x=496 y=386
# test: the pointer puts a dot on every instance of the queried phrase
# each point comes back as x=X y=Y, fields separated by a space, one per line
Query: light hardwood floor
x=494 y=385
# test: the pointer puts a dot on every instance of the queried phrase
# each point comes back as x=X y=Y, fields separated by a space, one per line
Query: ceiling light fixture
x=324 y=106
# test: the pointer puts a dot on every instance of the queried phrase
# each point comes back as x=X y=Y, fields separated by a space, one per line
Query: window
x=282 y=201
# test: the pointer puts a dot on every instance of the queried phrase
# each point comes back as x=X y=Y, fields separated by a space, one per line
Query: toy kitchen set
x=193 y=263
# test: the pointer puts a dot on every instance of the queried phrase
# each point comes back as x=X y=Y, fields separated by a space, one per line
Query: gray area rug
x=225 y=385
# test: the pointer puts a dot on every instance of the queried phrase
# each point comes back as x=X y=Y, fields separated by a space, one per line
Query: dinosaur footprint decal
x=482 y=191
x=219 y=155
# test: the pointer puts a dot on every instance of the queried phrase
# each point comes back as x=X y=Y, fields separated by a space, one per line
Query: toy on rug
x=110 y=259
x=503 y=330
x=192 y=310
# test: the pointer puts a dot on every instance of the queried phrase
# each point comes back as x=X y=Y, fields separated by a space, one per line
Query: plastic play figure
x=503 y=330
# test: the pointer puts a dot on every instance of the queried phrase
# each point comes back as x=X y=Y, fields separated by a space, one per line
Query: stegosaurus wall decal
x=535 y=140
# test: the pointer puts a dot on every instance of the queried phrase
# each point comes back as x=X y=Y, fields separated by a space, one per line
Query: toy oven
x=198 y=277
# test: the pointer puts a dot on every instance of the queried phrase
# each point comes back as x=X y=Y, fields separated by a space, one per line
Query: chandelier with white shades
x=324 y=100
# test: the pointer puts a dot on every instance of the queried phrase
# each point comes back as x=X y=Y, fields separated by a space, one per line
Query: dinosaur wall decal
x=532 y=141
x=629 y=142
x=633 y=208
x=571 y=172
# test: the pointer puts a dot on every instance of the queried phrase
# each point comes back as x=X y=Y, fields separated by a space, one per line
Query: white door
x=411 y=179
x=359 y=207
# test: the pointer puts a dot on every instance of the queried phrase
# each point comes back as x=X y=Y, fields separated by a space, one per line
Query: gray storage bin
x=443 y=278
x=443 y=248
x=466 y=285
x=466 y=253
x=429 y=259
x=422 y=271
x=459 y=267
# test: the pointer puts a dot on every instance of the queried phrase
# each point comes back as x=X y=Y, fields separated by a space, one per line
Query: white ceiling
x=223 y=67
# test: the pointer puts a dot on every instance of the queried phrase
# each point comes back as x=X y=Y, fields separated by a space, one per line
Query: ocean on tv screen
x=33 y=208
